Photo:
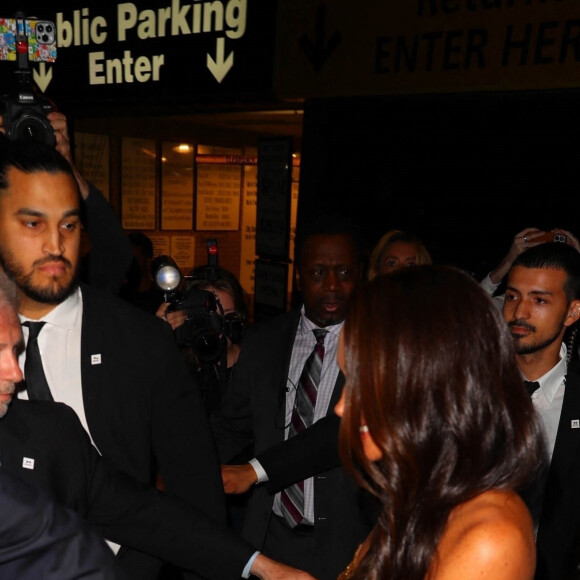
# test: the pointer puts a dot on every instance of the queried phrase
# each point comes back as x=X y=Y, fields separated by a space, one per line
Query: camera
x=206 y=329
x=24 y=115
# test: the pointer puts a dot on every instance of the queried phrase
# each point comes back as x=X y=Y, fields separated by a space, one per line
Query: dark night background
x=464 y=172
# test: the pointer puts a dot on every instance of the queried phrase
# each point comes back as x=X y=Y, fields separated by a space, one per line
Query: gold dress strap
x=348 y=572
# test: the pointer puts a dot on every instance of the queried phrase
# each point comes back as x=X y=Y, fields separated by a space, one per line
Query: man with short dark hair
x=542 y=301
x=317 y=526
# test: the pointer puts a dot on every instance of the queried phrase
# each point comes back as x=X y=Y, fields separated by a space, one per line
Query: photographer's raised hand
x=60 y=126
x=519 y=244
x=175 y=318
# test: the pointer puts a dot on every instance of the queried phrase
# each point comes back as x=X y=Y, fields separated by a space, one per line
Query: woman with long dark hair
x=437 y=424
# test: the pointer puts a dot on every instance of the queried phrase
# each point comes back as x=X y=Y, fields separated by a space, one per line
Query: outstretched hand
x=268 y=569
x=238 y=478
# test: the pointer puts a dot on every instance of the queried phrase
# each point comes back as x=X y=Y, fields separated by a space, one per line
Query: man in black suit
x=258 y=407
x=542 y=301
x=43 y=443
x=117 y=367
x=42 y=540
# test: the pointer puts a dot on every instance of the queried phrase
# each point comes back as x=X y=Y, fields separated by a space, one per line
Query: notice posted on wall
x=138 y=184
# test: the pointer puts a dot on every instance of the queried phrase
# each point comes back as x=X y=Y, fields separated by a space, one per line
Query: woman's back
x=490 y=536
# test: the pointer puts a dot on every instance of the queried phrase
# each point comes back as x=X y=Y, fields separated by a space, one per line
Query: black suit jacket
x=142 y=405
x=44 y=444
x=42 y=540
x=252 y=411
x=559 y=527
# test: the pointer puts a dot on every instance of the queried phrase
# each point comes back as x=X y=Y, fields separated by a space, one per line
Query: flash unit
x=166 y=275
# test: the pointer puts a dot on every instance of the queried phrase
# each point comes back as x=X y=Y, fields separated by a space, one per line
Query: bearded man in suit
x=117 y=367
x=542 y=301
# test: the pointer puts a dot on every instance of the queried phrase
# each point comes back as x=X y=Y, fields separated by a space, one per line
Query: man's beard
x=4 y=408
x=535 y=346
x=4 y=404
x=43 y=295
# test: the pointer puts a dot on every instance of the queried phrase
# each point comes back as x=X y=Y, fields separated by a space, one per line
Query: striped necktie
x=302 y=415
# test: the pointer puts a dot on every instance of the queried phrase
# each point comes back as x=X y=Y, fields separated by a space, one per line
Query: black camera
x=206 y=328
x=24 y=115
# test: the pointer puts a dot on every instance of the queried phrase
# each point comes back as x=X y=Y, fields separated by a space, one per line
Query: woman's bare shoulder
x=490 y=536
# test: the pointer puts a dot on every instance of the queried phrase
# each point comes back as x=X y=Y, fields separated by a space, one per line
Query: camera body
x=24 y=115
x=206 y=329
x=204 y=325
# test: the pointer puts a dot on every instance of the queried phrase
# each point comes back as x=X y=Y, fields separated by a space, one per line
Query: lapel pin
x=575 y=424
x=28 y=463
x=95 y=359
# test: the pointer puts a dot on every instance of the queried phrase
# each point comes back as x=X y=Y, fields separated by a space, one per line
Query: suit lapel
x=289 y=335
x=15 y=434
x=567 y=445
x=559 y=516
x=92 y=360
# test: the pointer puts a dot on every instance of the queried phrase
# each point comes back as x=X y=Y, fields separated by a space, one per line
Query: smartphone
x=550 y=237
x=41 y=36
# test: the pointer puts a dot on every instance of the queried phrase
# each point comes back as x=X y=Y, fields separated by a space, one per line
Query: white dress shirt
x=59 y=343
x=549 y=397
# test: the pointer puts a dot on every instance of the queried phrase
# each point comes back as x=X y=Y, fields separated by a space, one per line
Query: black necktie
x=293 y=497
x=34 y=377
x=531 y=387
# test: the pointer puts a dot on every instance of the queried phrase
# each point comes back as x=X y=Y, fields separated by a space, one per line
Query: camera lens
x=207 y=345
x=31 y=126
